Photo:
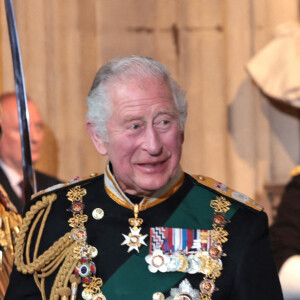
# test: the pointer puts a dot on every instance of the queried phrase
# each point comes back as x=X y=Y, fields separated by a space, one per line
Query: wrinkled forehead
x=139 y=89
x=143 y=82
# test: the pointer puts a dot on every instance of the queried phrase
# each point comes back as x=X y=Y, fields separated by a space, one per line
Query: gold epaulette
x=58 y=186
x=227 y=191
x=295 y=171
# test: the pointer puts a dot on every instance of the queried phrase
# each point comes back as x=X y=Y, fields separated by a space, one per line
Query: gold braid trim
x=64 y=273
x=47 y=271
x=50 y=260
x=56 y=249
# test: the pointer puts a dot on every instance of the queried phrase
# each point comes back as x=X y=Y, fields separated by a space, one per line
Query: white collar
x=13 y=176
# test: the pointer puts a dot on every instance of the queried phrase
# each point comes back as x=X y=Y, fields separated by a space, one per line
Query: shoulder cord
x=49 y=261
x=64 y=274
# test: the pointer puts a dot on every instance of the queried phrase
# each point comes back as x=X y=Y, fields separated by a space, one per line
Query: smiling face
x=145 y=138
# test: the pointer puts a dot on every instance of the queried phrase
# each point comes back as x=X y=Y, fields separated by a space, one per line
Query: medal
x=185 y=291
x=194 y=264
x=157 y=261
x=207 y=286
x=134 y=240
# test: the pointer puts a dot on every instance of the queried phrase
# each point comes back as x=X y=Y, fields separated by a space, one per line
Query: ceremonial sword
x=29 y=186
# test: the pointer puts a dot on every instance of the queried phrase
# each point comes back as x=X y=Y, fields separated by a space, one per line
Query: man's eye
x=165 y=122
x=135 y=126
x=39 y=126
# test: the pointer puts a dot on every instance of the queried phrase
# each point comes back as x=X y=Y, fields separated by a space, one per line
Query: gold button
x=94 y=251
x=98 y=213
x=158 y=296
x=201 y=177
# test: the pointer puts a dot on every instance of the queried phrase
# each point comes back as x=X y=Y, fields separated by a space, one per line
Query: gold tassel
x=74 y=286
x=64 y=293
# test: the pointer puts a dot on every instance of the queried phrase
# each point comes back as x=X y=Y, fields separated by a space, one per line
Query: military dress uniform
x=10 y=222
x=193 y=239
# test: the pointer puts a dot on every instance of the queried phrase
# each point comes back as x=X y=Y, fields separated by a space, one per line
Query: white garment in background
x=289 y=276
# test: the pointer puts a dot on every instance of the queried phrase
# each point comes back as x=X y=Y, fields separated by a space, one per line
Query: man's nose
x=152 y=141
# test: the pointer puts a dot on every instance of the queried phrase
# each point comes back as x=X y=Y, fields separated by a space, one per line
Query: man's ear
x=98 y=142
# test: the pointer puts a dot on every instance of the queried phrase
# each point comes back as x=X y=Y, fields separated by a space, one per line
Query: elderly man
x=11 y=169
x=188 y=237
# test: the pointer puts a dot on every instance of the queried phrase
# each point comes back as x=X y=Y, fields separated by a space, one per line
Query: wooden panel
x=239 y=97
x=201 y=74
x=205 y=139
x=7 y=76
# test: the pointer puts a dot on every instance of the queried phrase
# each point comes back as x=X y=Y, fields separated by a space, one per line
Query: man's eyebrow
x=171 y=112
x=130 y=118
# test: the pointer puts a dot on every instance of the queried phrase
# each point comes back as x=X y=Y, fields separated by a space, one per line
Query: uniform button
x=94 y=251
x=158 y=296
x=98 y=213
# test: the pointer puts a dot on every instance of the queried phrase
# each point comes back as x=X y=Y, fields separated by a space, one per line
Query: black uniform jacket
x=43 y=181
x=248 y=269
x=285 y=231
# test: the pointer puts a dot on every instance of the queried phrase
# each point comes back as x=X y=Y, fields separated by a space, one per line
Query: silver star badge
x=185 y=291
x=134 y=240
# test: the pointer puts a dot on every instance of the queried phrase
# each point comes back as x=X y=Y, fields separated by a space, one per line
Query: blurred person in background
x=11 y=168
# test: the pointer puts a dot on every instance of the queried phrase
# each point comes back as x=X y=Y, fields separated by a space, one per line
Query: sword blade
x=29 y=176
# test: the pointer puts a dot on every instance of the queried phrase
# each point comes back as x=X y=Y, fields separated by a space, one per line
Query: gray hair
x=122 y=69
